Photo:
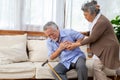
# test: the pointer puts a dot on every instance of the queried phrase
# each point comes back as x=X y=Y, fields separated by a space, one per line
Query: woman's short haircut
x=90 y=7
x=94 y=2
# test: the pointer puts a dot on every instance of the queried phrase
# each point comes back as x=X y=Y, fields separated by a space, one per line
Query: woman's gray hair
x=50 y=24
x=90 y=7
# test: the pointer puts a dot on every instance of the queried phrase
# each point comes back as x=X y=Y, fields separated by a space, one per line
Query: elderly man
x=65 y=45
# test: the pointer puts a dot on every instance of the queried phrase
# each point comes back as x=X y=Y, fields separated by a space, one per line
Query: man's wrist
x=59 y=49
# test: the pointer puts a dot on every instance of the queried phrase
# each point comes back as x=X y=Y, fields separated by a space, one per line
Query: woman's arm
x=85 y=33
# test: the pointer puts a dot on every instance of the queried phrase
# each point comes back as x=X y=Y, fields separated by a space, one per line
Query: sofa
x=23 y=52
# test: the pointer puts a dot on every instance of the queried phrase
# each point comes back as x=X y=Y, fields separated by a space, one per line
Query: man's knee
x=81 y=63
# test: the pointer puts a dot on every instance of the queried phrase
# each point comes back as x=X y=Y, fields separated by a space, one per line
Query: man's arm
x=61 y=47
x=55 y=54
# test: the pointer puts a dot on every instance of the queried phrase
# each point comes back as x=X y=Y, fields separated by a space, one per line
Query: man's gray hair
x=90 y=7
x=50 y=24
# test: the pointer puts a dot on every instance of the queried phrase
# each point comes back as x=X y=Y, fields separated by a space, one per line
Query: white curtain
x=33 y=14
x=30 y=14
x=110 y=8
x=74 y=17
x=9 y=14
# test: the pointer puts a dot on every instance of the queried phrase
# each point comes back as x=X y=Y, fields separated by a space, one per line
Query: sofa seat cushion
x=44 y=72
x=89 y=64
x=17 y=70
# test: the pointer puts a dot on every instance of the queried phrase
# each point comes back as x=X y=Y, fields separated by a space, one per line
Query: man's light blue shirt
x=66 y=56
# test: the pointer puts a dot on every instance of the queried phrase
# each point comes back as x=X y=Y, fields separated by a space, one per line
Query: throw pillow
x=37 y=50
x=13 y=48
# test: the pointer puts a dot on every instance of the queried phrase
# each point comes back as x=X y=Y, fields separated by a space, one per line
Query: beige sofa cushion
x=20 y=70
x=38 y=50
x=44 y=72
x=13 y=48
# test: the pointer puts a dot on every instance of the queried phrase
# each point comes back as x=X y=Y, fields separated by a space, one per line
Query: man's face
x=52 y=34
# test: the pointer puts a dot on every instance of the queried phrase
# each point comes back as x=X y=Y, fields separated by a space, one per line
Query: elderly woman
x=102 y=41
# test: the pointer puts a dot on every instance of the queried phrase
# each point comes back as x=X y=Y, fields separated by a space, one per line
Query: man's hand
x=64 y=45
x=71 y=46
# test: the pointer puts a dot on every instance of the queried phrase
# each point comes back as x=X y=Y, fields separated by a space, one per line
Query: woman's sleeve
x=97 y=32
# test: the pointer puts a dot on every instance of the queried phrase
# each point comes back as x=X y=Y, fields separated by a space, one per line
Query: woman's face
x=88 y=16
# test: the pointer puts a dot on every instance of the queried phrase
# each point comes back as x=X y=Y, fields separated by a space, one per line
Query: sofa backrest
x=18 y=32
x=14 y=44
